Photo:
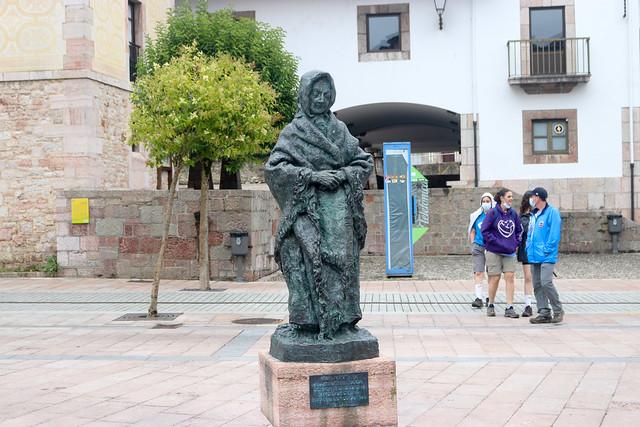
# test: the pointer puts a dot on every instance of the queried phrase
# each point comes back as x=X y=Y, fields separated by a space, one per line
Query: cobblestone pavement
x=66 y=361
x=458 y=267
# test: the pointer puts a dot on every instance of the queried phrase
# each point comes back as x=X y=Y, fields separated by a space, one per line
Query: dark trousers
x=544 y=289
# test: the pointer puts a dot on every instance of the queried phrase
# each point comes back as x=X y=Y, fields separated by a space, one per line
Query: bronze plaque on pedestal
x=339 y=390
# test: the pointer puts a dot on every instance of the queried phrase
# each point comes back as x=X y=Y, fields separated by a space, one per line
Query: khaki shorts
x=497 y=264
x=477 y=254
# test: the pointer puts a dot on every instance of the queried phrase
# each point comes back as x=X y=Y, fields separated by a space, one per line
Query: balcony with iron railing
x=549 y=65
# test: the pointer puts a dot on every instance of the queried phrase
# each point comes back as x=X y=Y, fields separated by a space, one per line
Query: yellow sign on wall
x=80 y=211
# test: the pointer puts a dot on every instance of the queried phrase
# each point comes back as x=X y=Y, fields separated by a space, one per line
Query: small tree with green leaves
x=199 y=109
x=220 y=32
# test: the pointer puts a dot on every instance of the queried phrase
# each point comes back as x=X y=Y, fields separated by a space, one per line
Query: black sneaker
x=491 y=311
x=510 y=312
x=540 y=319
x=557 y=317
x=477 y=303
x=486 y=302
x=527 y=312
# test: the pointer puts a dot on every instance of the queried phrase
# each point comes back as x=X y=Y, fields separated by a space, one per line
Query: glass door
x=548 y=42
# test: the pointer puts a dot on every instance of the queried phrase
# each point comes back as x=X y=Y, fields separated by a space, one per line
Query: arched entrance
x=434 y=134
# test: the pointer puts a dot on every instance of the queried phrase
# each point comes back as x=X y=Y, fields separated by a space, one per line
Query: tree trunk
x=229 y=180
x=153 y=306
x=204 y=230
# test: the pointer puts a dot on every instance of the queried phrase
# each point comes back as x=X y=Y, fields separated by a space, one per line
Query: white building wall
x=598 y=102
x=323 y=34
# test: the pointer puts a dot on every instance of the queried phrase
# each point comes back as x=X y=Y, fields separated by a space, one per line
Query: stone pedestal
x=285 y=394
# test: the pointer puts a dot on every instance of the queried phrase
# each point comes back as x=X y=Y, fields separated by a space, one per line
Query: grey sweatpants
x=544 y=289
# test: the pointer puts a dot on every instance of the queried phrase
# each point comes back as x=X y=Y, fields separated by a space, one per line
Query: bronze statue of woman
x=316 y=173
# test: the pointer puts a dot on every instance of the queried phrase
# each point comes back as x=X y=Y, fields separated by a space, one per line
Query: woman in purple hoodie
x=501 y=231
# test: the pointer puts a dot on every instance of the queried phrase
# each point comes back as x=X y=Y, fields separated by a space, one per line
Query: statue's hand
x=327 y=179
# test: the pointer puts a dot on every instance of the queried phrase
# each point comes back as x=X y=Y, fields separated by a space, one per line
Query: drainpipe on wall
x=631 y=35
x=633 y=199
x=474 y=94
x=475 y=152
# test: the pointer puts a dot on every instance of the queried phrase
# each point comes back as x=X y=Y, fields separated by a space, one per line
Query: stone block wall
x=125 y=231
x=57 y=134
x=467 y=152
x=31 y=167
x=582 y=231
x=449 y=211
x=582 y=194
x=587 y=232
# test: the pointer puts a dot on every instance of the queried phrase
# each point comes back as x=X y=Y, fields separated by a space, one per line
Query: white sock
x=485 y=291
x=479 y=290
x=527 y=300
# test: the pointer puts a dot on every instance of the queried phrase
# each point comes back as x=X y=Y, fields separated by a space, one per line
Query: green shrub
x=50 y=267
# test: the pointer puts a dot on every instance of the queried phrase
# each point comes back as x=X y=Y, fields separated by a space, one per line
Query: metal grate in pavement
x=143 y=316
x=256 y=321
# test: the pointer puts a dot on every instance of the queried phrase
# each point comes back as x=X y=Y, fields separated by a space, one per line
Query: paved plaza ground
x=66 y=361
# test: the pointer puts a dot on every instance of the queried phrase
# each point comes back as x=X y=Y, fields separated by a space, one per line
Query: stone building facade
x=64 y=110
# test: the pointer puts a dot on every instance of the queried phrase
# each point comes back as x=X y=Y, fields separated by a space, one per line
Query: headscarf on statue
x=302 y=148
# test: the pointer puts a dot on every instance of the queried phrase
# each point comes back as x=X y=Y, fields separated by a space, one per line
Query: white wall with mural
x=109 y=30
x=31 y=35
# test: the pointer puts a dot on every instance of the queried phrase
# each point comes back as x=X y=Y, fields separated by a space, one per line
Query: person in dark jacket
x=502 y=231
x=525 y=214
x=543 y=241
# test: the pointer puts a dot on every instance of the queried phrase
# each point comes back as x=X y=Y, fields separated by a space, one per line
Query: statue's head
x=317 y=93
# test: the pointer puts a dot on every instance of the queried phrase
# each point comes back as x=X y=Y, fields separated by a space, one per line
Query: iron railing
x=549 y=57
x=435 y=158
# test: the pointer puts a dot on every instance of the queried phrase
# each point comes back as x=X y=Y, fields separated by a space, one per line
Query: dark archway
x=434 y=134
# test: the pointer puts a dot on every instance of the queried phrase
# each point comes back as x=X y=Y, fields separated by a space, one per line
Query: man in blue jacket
x=543 y=240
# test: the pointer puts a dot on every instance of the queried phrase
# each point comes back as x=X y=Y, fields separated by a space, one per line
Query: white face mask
x=506 y=205
x=532 y=203
x=486 y=206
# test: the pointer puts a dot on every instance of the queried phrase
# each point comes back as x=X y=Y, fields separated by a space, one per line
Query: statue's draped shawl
x=321 y=231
